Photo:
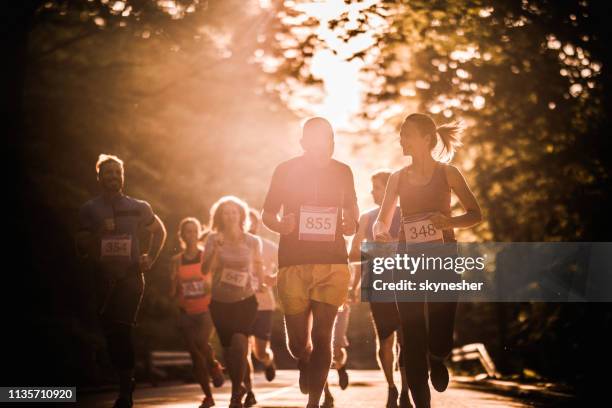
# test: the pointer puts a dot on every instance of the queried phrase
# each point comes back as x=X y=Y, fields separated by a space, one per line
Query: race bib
x=421 y=230
x=194 y=289
x=234 y=277
x=116 y=246
x=318 y=223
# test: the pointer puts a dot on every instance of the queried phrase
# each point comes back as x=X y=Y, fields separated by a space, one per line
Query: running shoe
x=216 y=373
x=236 y=400
x=303 y=367
x=250 y=400
x=207 y=402
x=392 y=397
x=270 y=371
x=404 y=400
x=343 y=379
x=439 y=374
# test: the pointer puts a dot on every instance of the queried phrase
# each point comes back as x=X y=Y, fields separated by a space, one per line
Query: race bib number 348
x=318 y=223
x=423 y=230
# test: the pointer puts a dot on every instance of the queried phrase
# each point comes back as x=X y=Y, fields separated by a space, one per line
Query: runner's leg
x=386 y=357
x=412 y=315
x=298 y=327
x=194 y=338
x=262 y=351
x=323 y=320
x=248 y=374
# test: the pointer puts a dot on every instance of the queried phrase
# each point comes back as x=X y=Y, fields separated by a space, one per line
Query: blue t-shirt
x=393 y=229
x=114 y=222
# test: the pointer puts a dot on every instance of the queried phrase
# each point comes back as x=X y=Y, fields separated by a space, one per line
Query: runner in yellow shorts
x=319 y=207
x=299 y=284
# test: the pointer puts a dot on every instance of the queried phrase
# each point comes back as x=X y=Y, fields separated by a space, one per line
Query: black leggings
x=424 y=337
x=120 y=345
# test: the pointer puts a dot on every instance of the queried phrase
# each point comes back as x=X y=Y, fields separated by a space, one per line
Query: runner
x=384 y=315
x=109 y=227
x=192 y=292
x=317 y=196
x=234 y=257
x=261 y=333
x=424 y=190
x=339 y=354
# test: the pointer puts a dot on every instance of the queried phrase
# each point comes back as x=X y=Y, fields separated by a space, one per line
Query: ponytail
x=445 y=139
x=450 y=135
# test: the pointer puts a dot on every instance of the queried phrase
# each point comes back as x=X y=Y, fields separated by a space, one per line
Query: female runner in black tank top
x=425 y=187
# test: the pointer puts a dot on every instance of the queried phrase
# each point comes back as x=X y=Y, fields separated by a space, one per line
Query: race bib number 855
x=318 y=223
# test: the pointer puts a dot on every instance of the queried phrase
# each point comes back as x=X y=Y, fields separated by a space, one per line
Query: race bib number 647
x=318 y=223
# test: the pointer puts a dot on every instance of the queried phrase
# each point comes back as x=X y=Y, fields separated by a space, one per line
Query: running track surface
x=367 y=389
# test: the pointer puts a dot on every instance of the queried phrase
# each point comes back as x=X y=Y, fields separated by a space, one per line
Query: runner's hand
x=287 y=224
x=381 y=233
x=383 y=237
x=145 y=263
x=349 y=227
x=441 y=221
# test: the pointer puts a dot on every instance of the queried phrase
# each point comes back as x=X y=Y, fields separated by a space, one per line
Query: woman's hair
x=446 y=140
x=181 y=230
x=216 y=213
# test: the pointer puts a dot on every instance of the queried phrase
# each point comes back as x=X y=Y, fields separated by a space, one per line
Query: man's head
x=318 y=139
x=110 y=173
x=379 y=184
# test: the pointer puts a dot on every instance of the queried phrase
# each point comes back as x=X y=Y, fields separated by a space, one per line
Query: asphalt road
x=367 y=389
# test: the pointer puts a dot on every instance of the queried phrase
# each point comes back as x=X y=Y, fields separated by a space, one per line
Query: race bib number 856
x=318 y=223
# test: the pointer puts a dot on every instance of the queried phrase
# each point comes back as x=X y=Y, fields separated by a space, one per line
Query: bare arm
x=385 y=216
x=350 y=214
x=173 y=277
x=258 y=264
x=355 y=253
x=158 y=238
x=472 y=215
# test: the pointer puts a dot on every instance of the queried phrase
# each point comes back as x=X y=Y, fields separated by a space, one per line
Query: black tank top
x=432 y=197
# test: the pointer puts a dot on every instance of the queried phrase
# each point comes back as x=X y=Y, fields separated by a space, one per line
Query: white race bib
x=318 y=223
x=193 y=289
x=421 y=230
x=114 y=246
x=234 y=277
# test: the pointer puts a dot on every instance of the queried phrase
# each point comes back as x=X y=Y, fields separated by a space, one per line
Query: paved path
x=367 y=390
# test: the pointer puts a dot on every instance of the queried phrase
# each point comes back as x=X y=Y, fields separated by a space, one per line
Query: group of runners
x=223 y=277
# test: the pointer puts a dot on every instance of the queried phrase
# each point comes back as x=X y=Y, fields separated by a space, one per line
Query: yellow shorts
x=297 y=285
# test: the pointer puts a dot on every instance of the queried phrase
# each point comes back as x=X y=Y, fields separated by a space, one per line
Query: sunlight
x=343 y=89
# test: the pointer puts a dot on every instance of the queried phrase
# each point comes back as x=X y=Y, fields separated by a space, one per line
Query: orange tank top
x=193 y=287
